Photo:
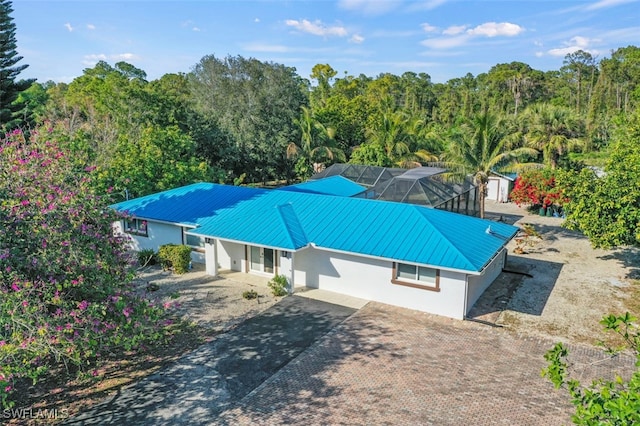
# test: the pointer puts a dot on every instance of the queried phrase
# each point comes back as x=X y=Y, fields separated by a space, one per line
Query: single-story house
x=499 y=186
x=400 y=254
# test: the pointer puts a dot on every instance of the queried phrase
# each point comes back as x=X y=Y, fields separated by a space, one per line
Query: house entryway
x=262 y=260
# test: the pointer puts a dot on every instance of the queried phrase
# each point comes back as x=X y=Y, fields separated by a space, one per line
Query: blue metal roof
x=289 y=220
x=186 y=205
x=334 y=185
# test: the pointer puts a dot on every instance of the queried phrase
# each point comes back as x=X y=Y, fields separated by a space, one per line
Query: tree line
x=237 y=119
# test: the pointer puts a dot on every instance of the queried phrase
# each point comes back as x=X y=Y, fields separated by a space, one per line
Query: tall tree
x=255 y=104
x=9 y=70
x=580 y=67
x=482 y=146
x=554 y=131
x=317 y=146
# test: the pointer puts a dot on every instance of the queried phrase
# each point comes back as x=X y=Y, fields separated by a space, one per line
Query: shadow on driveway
x=209 y=380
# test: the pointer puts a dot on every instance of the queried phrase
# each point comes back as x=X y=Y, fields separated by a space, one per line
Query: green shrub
x=278 y=285
x=250 y=294
x=175 y=257
x=147 y=257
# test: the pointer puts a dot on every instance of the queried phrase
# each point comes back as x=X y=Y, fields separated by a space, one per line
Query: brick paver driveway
x=393 y=366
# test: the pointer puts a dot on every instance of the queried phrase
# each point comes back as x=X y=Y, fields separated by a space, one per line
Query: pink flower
x=25 y=303
x=83 y=305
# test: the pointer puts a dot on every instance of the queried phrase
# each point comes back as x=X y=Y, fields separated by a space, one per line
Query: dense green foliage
x=176 y=257
x=604 y=402
x=10 y=88
x=238 y=119
x=607 y=208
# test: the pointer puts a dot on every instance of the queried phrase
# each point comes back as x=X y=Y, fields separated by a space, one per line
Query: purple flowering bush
x=66 y=295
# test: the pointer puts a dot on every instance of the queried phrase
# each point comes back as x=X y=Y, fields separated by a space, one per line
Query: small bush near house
x=250 y=294
x=278 y=285
x=147 y=257
x=175 y=257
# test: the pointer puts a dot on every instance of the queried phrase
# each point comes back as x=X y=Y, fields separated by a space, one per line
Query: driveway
x=304 y=361
x=393 y=366
x=201 y=385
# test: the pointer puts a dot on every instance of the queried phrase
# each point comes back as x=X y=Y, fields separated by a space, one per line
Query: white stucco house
x=318 y=236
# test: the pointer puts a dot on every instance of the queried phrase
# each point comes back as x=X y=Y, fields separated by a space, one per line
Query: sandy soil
x=569 y=287
x=215 y=303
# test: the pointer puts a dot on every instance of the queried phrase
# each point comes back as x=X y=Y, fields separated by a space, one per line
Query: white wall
x=498 y=189
x=479 y=283
x=231 y=256
x=158 y=234
x=370 y=279
x=493 y=188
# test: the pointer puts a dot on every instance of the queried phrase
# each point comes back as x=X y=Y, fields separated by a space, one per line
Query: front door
x=262 y=259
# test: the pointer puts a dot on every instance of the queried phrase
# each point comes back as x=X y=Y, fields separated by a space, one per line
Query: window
x=194 y=241
x=416 y=276
x=136 y=227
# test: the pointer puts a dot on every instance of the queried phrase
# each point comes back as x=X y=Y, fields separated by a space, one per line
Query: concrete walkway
x=204 y=383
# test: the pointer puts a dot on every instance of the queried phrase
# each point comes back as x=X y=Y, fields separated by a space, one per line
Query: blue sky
x=444 y=38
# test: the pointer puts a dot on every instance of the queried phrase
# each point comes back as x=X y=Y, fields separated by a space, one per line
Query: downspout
x=466 y=290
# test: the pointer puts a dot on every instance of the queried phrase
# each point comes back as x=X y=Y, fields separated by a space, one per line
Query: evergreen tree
x=9 y=87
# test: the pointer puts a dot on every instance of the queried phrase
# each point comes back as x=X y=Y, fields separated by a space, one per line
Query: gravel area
x=211 y=302
x=568 y=288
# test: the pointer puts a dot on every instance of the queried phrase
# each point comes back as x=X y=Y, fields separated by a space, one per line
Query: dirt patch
x=215 y=303
x=560 y=287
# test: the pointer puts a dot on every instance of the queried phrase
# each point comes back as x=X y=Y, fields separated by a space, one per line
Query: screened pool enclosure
x=424 y=186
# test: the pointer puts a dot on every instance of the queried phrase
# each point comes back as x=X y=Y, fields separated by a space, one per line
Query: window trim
x=414 y=283
x=136 y=230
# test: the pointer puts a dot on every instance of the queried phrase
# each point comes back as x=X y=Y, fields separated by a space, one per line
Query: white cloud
x=369 y=7
x=91 y=27
x=196 y=29
x=68 y=27
x=428 y=28
x=493 y=29
x=356 y=38
x=256 y=20
x=607 y=3
x=454 y=30
x=458 y=35
x=573 y=45
x=316 y=28
x=91 y=60
x=445 y=42
x=539 y=54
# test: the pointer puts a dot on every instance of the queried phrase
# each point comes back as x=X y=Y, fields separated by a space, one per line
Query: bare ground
x=568 y=286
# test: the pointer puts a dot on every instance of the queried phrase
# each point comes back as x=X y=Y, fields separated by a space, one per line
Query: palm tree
x=399 y=136
x=553 y=130
x=317 y=144
x=482 y=147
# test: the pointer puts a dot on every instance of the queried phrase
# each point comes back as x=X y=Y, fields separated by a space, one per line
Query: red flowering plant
x=538 y=188
x=65 y=279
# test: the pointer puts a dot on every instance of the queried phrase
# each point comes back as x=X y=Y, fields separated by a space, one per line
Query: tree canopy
x=10 y=87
